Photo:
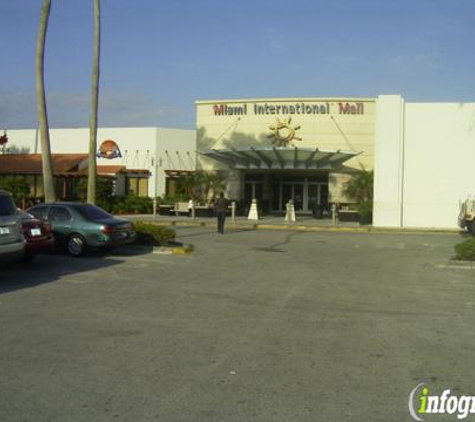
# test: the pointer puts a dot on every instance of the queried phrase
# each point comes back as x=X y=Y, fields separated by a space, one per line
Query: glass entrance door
x=306 y=195
x=298 y=196
x=312 y=196
x=293 y=191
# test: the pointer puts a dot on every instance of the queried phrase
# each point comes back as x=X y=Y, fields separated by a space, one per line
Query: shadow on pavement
x=181 y=233
x=48 y=268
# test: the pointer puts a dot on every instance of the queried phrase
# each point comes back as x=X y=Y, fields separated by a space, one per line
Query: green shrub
x=130 y=204
x=465 y=251
x=104 y=188
x=18 y=187
x=152 y=234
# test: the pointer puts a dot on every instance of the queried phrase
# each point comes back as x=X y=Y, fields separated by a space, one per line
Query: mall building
x=304 y=150
x=280 y=149
x=276 y=150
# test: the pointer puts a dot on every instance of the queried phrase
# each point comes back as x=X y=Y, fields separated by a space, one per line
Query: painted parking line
x=461 y=266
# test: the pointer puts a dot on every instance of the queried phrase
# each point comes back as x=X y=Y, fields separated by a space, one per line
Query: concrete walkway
x=271 y=222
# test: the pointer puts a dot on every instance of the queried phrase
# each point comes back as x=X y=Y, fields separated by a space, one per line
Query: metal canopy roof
x=280 y=158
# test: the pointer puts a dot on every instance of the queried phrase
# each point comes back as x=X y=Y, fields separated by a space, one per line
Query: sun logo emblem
x=283 y=132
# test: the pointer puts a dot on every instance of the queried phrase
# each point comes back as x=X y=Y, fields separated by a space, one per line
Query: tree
x=207 y=184
x=19 y=188
x=48 y=181
x=360 y=188
x=17 y=150
x=92 y=167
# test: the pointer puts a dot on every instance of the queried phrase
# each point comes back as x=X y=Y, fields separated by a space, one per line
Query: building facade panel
x=438 y=167
x=253 y=127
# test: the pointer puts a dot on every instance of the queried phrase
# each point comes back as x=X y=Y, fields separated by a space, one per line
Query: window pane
x=143 y=186
x=7 y=207
x=132 y=186
x=39 y=212
x=92 y=212
x=59 y=214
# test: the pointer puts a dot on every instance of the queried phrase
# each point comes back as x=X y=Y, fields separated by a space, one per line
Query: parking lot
x=253 y=326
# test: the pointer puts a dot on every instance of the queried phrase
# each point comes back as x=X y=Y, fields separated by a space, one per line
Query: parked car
x=77 y=226
x=38 y=235
x=11 y=238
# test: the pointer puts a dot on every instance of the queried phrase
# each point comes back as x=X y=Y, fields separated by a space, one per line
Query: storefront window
x=137 y=186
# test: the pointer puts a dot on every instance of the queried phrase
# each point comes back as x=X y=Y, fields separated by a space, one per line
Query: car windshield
x=92 y=212
x=7 y=207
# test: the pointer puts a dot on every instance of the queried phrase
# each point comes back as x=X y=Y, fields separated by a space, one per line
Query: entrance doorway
x=273 y=191
x=307 y=194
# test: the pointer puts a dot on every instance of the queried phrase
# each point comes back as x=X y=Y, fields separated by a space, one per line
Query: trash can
x=317 y=211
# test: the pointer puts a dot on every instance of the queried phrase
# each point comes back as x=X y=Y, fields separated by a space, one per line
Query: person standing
x=220 y=208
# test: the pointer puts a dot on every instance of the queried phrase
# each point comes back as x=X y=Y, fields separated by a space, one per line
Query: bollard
x=233 y=211
x=253 y=214
x=334 y=213
x=290 y=212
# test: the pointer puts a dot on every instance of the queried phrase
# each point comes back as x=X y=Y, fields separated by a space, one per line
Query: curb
x=290 y=227
x=457 y=264
x=174 y=250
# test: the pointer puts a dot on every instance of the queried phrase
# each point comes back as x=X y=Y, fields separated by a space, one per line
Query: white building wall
x=175 y=150
x=424 y=162
x=388 y=164
x=439 y=167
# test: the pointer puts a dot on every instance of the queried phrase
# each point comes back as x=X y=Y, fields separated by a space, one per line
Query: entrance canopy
x=280 y=158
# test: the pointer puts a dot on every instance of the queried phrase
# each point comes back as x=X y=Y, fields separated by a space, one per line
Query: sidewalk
x=303 y=223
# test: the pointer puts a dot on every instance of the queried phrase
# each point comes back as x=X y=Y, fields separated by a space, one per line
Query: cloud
x=415 y=63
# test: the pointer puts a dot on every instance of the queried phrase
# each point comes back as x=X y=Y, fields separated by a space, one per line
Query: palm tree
x=360 y=188
x=48 y=181
x=92 y=168
x=208 y=183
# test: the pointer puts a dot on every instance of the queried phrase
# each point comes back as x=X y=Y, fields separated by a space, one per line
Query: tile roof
x=63 y=164
x=31 y=163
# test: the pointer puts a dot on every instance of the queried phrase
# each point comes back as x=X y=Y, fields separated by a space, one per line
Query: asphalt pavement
x=253 y=326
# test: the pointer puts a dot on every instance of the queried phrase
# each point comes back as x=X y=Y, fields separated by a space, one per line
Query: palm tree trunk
x=92 y=172
x=48 y=181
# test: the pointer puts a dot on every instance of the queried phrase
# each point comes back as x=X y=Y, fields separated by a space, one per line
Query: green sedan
x=78 y=226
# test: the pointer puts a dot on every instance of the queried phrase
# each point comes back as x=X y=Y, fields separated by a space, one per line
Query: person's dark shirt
x=221 y=205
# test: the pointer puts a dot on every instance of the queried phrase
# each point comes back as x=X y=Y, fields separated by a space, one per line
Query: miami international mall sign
x=287 y=109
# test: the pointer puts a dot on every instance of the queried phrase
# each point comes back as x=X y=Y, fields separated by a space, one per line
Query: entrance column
x=233 y=182
x=305 y=195
x=266 y=193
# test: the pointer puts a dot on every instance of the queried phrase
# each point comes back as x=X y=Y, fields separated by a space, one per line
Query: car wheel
x=76 y=245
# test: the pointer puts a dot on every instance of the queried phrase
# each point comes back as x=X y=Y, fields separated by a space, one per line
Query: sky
x=158 y=57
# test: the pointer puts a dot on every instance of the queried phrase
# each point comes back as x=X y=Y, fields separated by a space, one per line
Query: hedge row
x=465 y=251
x=152 y=234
